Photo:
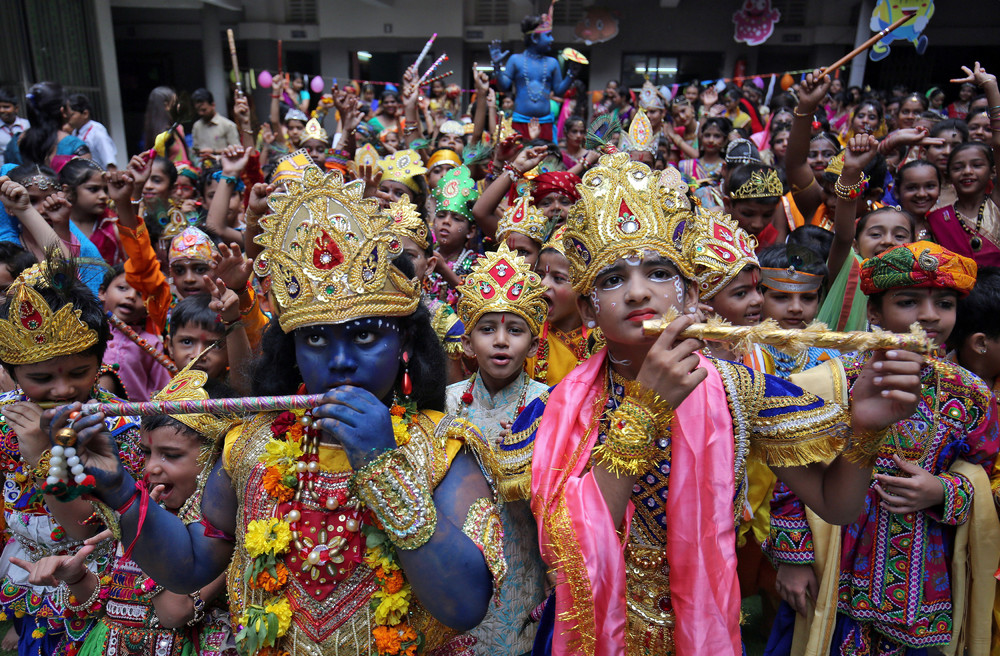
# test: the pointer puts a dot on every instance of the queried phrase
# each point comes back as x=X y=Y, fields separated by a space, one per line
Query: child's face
x=555 y=205
x=881 y=232
x=740 y=301
x=821 y=151
x=792 y=311
x=970 y=172
x=190 y=340
x=436 y=173
x=124 y=301
x=451 y=142
x=909 y=112
x=421 y=263
x=979 y=128
x=294 y=130
x=65 y=379
x=316 y=149
x=918 y=190
x=712 y=139
x=392 y=139
x=938 y=154
x=866 y=120
x=92 y=195
x=157 y=185
x=396 y=190
x=184 y=189
x=451 y=230
x=752 y=215
x=189 y=276
x=524 y=246
x=500 y=342
x=632 y=291
x=171 y=461
x=933 y=309
x=559 y=293
x=780 y=145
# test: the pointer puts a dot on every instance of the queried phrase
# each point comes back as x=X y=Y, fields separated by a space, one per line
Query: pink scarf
x=578 y=539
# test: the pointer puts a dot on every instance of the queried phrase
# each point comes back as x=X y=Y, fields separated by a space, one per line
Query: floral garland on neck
x=292 y=466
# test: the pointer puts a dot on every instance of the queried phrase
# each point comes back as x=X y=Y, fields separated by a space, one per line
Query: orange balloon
x=787 y=81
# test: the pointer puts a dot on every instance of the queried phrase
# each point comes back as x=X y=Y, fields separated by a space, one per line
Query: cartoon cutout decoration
x=597 y=26
x=886 y=12
x=755 y=21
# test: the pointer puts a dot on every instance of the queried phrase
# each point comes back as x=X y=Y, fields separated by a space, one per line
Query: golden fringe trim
x=805 y=450
x=569 y=560
x=515 y=488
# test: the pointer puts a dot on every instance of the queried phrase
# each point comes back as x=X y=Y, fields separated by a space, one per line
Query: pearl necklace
x=535 y=97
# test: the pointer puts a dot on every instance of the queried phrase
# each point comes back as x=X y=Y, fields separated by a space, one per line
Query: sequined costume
x=558 y=354
x=447 y=326
x=523 y=589
x=34 y=534
x=894 y=588
x=330 y=613
x=770 y=419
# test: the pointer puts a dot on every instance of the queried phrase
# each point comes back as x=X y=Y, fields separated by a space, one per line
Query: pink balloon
x=264 y=79
x=317 y=84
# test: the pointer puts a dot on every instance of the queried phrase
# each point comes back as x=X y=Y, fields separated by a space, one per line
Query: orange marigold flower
x=387 y=640
x=393 y=582
x=397 y=410
x=274 y=486
x=295 y=432
x=267 y=582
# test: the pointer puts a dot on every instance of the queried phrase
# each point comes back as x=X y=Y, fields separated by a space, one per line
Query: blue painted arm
x=560 y=84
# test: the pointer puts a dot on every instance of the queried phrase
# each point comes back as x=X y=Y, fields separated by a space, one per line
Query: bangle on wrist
x=809 y=115
x=230 y=179
x=79 y=580
x=851 y=192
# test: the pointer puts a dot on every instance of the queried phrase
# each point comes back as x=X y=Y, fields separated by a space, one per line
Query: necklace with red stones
x=467 y=397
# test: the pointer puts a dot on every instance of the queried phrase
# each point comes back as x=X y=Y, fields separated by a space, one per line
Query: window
x=300 y=11
x=659 y=69
x=491 y=12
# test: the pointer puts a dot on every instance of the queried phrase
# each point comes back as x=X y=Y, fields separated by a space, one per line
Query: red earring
x=407 y=383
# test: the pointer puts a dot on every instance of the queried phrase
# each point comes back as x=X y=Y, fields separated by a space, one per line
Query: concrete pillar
x=862 y=34
x=212 y=44
x=107 y=59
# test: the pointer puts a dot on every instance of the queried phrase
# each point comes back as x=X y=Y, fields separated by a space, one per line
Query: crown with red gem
x=502 y=282
x=33 y=332
x=525 y=218
x=718 y=249
x=329 y=253
x=625 y=210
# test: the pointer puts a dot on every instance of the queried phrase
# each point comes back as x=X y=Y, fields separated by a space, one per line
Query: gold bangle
x=399 y=497
x=864 y=446
x=795 y=112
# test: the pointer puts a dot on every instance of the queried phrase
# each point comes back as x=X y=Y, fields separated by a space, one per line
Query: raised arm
x=485 y=207
x=988 y=83
x=503 y=76
x=234 y=159
x=482 y=83
x=860 y=152
x=800 y=176
x=18 y=204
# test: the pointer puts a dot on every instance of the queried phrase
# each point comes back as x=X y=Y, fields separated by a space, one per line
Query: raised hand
x=709 y=96
x=534 y=129
x=257 y=206
x=14 y=196
x=56 y=209
x=120 y=186
x=861 y=150
x=496 y=54
x=232 y=267
x=97 y=450
x=234 y=160
x=887 y=390
x=977 y=75
x=139 y=167
x=529 y=158
x=224 y=300
x=241 y=112
x=358 y=421
x=812 y=91
x=480 y=79
x=671 y=367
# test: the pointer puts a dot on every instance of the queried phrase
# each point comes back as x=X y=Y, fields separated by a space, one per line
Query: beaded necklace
x=976 y=241
x=467 y=397
x=535 y=97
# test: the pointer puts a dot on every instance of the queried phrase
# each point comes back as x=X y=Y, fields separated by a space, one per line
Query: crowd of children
x=504 y=460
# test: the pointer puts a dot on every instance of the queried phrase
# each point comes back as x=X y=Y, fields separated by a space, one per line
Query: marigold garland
x=276 y=484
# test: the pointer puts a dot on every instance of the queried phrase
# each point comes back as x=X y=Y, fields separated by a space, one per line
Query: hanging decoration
x=886 y=13
x=755 y=21
x=598 y=25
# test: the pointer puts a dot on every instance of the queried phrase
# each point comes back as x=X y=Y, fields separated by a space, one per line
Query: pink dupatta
x=948 y=232
x=578 y=539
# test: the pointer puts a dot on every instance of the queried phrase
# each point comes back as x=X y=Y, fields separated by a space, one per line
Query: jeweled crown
x=624 y=210
x=329 y=253
x=314 y=130
x=761 y=184
x=502 y=282
x=718 y=249
x=409 y=223
x=32 y=332
x=524 y=218
x=189 y=385
x=640 y=135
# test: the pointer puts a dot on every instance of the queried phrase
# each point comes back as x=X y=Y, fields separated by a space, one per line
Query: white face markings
x=595 y=300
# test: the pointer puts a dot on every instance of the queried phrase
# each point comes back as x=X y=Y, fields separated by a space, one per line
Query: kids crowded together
x=432 y=375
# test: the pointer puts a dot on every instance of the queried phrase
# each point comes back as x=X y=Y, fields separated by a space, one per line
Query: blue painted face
x=543 y=42
x=365 y=353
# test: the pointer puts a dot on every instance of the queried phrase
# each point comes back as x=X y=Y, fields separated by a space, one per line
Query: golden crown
x=314 y=130
x=761 y=184
x=502 y=282
x=32 y=332
x=189 y=385
x=718 y=249
x=836 y=163
x=640 y=135
x=526 y=219
x=624 y=210
x=329 y=253
x=408 y=222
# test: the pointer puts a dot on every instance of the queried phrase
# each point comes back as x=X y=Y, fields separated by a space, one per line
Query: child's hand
x=480 y=79
x=241 y=111
x=53 y=570
x=529 y=158
x=234 y=160
x=797 y=585
x=915 y=490
x=56 y=209
x=14 y=196
x=709 y=96
x=534 y=129
x=861 y=150
x=373 y=178
x=257 y=207
x=887 y=390
x=671 y=367
x=120 y=186
x=812 y=92
x=139 y=167
x=266 y=134
x=977 y=76
x=25 y=418
x=232 y=267
x=224 y=300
